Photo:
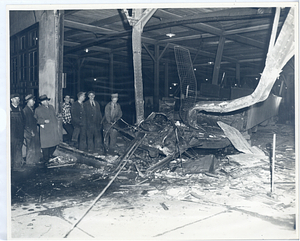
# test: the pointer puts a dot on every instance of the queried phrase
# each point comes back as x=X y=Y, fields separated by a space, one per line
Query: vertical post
x=111 y=72
x=48 y=57
x=156 y=79
x=74 y=81
x=78 y=75
x=59 y=47
x=137 y=64
x=218 y=60
x=273 y=162
x=138 y=21
x=167 y=78
x=238 y=74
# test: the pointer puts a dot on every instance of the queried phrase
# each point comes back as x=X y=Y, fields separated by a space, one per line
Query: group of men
x=38 y=129
x=85 y=126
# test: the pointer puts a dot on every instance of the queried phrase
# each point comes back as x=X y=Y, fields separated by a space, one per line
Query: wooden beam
x=237 y=38
x=247 y=41
x=59 y=47
x=232 y=14
x=149 y=52
x=138 y=20
x=99 y=41
x=218 y=61
x=229 y=14
x=205 y=53
x=87 y=27
x=247 y=29
x=163 y=52
x=225 y=33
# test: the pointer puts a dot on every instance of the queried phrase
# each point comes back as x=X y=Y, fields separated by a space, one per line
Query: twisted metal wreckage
x=208 y=125
x=160 y=138
x=202 y=128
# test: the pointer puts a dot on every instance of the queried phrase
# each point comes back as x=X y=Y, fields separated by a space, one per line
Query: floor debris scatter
x=163 y=185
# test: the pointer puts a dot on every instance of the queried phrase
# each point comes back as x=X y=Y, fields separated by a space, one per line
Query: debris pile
x=172 y=157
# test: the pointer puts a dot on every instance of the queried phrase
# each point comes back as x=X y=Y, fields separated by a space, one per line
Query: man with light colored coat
x=49 y=132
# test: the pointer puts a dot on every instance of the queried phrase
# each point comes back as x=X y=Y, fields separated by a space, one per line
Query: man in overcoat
x=49 y=132
x=93 y=124
x=16 y=132
x=79 y=122
x=113 y=113
x=31 y=135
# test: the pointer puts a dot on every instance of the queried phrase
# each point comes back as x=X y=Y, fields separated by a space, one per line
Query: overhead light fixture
x=210 y=62
x=86 y=50
x=95 y=79
x=170 y=35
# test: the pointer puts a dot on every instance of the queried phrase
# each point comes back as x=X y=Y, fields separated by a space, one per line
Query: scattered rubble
x=166 y=160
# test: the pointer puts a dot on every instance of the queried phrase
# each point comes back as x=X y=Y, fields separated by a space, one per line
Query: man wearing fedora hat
x=16 y=132
x=93 y=124
x=31 y=135
x=79 y=122
x=113 y=113
x=49 y=132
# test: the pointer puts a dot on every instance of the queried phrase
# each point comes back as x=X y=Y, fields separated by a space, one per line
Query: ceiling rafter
x=223 y=15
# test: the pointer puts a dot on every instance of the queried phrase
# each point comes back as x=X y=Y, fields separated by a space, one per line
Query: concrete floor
x=168 y=206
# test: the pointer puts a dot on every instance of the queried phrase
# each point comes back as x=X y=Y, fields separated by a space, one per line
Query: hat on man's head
x=80 y=94
x=115 y=95
x=29 y=97
x=91 y=92
x=43 y=97
x=14 y=95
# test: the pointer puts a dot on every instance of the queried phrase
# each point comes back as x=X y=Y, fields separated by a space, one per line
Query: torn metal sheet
x=279 y=55
x=262 y=111
x=236 y=138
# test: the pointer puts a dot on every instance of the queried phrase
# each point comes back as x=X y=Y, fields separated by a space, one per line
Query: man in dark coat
x=113 y=113
x=31 y=135
x=16 y=132
x=49 y=132
x=93 y=124
x=79 y=122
